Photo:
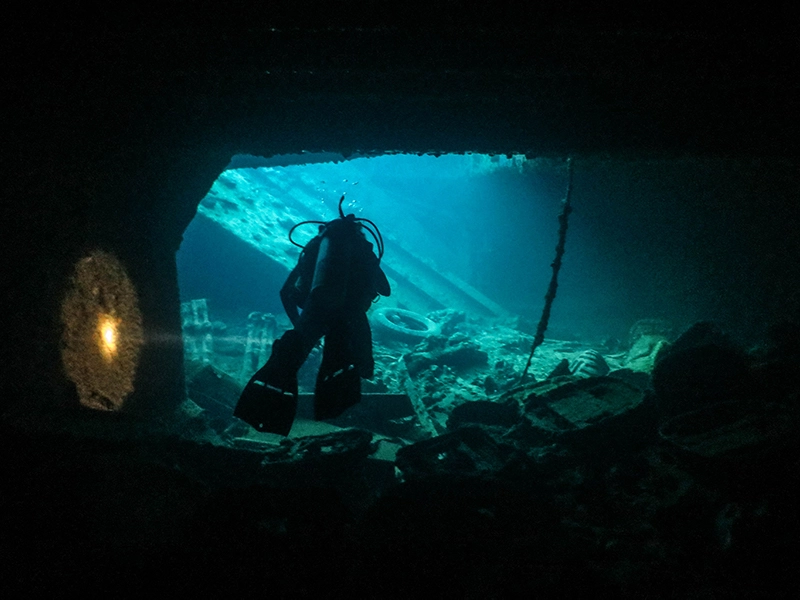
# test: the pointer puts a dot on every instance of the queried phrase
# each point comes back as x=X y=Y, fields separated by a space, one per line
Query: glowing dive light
x=108 y=336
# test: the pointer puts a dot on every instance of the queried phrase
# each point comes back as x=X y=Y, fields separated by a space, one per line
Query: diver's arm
x=382 y=282
x=379 y=279
x=375 y=276
x=288 y=296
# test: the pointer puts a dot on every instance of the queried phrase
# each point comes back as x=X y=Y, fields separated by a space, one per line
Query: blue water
x=681 y=240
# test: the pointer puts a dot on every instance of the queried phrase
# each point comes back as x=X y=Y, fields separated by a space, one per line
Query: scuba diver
x=327 y=294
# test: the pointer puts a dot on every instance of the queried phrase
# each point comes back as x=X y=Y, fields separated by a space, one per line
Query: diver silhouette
x=336 y=279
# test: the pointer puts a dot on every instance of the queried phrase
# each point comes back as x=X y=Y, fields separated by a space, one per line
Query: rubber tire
x=400 y=324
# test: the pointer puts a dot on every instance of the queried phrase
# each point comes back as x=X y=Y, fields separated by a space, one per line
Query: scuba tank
x=338 y=267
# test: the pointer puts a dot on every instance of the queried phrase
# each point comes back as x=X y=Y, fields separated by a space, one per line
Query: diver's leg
x=338 y=384
x=361 y=343
x=269 y=400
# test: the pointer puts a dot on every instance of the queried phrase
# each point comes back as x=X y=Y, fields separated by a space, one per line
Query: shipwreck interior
x=645 y=444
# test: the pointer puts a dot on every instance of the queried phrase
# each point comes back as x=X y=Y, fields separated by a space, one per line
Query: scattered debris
x=589 y=363
x=702 y=367
x=197 y=330
x=262 y=329
x=212 y=390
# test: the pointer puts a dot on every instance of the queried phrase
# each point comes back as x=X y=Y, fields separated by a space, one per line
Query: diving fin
x=335 y=392
x=266 y=407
